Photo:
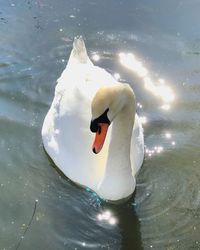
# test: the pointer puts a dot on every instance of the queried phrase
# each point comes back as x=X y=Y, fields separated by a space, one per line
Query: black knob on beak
x=94 y=126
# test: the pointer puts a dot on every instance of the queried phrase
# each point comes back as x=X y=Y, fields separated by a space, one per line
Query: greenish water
x=35 y=42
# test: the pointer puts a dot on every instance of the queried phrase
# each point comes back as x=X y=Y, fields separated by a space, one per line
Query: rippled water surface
x=154 y=45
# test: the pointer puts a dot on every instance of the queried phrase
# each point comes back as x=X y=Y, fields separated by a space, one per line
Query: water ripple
x=168 y=205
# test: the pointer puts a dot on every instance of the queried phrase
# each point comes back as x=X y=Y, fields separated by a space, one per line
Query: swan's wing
x=137 y=146
x=65 y=133
x=66 y=129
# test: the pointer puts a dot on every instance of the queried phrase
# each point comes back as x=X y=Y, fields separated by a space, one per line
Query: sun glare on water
x=159 y=88
x=107 y=216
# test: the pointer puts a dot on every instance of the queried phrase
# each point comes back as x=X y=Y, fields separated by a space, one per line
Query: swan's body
x=66 y=130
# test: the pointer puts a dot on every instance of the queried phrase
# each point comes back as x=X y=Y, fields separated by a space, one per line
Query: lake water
x=40 y=208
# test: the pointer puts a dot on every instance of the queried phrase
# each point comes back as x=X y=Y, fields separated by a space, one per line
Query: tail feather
x=79 y=45
x=79 y=52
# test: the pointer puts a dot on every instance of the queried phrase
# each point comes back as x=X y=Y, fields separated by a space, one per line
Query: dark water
x=35 y=42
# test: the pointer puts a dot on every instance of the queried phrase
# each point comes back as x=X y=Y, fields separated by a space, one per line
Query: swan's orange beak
x=100 y=137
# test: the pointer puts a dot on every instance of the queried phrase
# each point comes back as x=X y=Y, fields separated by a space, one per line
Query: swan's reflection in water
x=125 y=218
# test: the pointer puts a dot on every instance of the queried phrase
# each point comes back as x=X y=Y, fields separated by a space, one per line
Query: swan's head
x=106 y=104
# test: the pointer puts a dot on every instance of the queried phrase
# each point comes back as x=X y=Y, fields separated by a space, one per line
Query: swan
x=91 y=131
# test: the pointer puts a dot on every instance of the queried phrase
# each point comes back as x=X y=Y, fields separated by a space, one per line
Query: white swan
x=88 y=99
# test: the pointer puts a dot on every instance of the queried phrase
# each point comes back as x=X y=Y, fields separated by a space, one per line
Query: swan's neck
x=119 y=149
x=118 y=181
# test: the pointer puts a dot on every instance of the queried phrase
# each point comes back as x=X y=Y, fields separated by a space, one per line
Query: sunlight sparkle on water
x=143 y=119
x=158 y=88
x=154 y=150
x=96 y=57
x=117 y=76
x=165 y=107
x=168 y=135
x=107 y=216
x=139 y=105
x=99 y=217
x=131 y=62
x=112 y=221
